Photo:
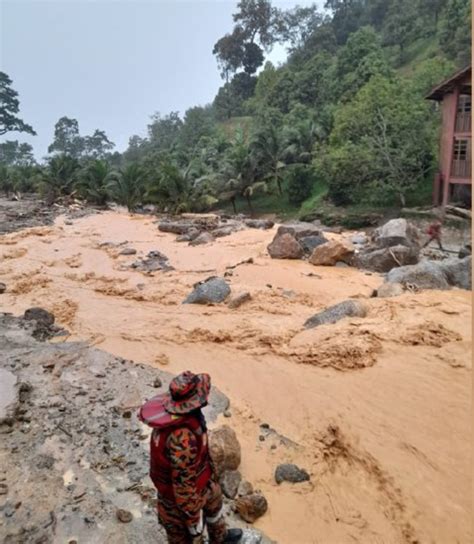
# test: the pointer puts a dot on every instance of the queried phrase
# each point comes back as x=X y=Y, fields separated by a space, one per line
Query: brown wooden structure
x=454 y=94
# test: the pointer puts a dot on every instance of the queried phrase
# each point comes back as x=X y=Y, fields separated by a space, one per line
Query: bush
x=300 y=183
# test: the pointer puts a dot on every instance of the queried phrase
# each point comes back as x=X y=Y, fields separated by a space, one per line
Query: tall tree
x=97 y=146
x=14 y=153
x=9 y=108
x=67 y=139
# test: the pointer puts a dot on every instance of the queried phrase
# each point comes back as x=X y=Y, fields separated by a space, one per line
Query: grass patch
x=230 y=126
x=314 y=201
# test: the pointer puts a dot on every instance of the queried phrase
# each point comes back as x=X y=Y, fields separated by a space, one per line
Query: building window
x=464 y=103
x=460 y=150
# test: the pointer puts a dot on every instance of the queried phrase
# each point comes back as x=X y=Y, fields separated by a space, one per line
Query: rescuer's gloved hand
x=196 y=530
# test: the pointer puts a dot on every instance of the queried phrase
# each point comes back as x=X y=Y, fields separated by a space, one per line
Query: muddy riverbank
x=376 y=409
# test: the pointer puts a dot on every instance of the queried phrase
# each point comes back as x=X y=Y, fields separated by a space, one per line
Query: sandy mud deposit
x=375 y=409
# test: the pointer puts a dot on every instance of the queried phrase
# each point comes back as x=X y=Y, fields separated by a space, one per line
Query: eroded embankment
x=378 y=407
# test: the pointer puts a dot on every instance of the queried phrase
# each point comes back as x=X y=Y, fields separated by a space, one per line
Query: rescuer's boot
x=232 y=536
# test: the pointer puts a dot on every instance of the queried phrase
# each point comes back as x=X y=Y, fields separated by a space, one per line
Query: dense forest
x=343 y=122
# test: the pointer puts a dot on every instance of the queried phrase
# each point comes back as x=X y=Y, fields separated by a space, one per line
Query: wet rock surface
x=290 y=473
x=330 y=253
x=230 y=482
x=65 y=427
x=224 y=449
x=299 y=229
x=397 y=232
x=212 y=290
x=384 y=259
x=251 y=507
x=285 y=246
x=153 y=262
x=240 y=299
x=347 y=308
x=435 y=274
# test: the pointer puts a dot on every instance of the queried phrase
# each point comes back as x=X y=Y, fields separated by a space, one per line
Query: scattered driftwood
x=246 y=261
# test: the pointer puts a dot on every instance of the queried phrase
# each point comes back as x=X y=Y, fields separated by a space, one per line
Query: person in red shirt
x=434 y=233
x=180 y=465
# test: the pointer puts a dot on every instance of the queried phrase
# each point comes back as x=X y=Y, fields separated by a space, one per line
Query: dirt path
x=376 y=409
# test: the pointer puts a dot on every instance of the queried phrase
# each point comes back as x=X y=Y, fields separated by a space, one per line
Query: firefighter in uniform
x=180 y=466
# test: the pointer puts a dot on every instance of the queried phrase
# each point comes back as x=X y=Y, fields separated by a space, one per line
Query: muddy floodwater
x=376 y=409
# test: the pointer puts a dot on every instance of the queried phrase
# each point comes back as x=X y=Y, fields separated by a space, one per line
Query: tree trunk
x=249 y=202
x=402 y=198
x=233 y=205
x=278 y=181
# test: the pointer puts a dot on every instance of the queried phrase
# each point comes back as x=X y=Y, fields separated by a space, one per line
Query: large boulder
x=384 y=259
x=309 y=243
x=347 y=308
x=251 y=507
x=425 y=275
x=330 y=253
x=299 y=229
x=458 y=272
x=290 y=473
x=396 y=232
x=212 y=290
x=224 y=449
x=285 y=247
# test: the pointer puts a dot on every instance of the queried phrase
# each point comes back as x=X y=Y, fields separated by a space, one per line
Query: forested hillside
x=343 y=121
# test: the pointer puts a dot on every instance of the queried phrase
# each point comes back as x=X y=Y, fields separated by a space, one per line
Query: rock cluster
x=394 y=244
x=225 y=452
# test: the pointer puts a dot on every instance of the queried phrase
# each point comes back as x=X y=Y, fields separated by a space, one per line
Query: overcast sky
x=112 y=63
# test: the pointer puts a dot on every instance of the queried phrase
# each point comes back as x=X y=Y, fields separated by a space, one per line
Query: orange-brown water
x=376 y=409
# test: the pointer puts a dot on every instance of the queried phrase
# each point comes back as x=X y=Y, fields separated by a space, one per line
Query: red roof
x=448 y=85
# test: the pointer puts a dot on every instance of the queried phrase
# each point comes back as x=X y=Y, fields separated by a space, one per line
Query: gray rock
x=299 y=229
x=239 y=300
x=212 y=290
x=3 y=287
x=175 y=227
x=330 y=253
x=183 y=238
x=259 y=223
x=41 y=316
x=230 y=482
x=203 y=238
x=465 y=251
x=458 y=272
x=222 y=231
x=390 y=290
x=124 y=515
x=154 y=261
x=347 y=308
x=128 y=251
x=285 y=246
x=384 y=259
x=425 y=275
x=397 y=232
x=290 y=473
x=310 y=242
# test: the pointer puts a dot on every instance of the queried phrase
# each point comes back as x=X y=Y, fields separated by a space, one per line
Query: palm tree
x=127 y=186
x=93 y=182
x=300 y=140
x=269 y=148
x=238 y=173
x=58 y=178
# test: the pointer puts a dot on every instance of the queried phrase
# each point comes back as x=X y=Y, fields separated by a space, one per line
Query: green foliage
x=381 y=146
x=455 y=31
x=68 y=141
x=93 y=182
x=58 y=177
x=301 y=180
x=14 y=153
x=127 y=186
x=9 y=108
